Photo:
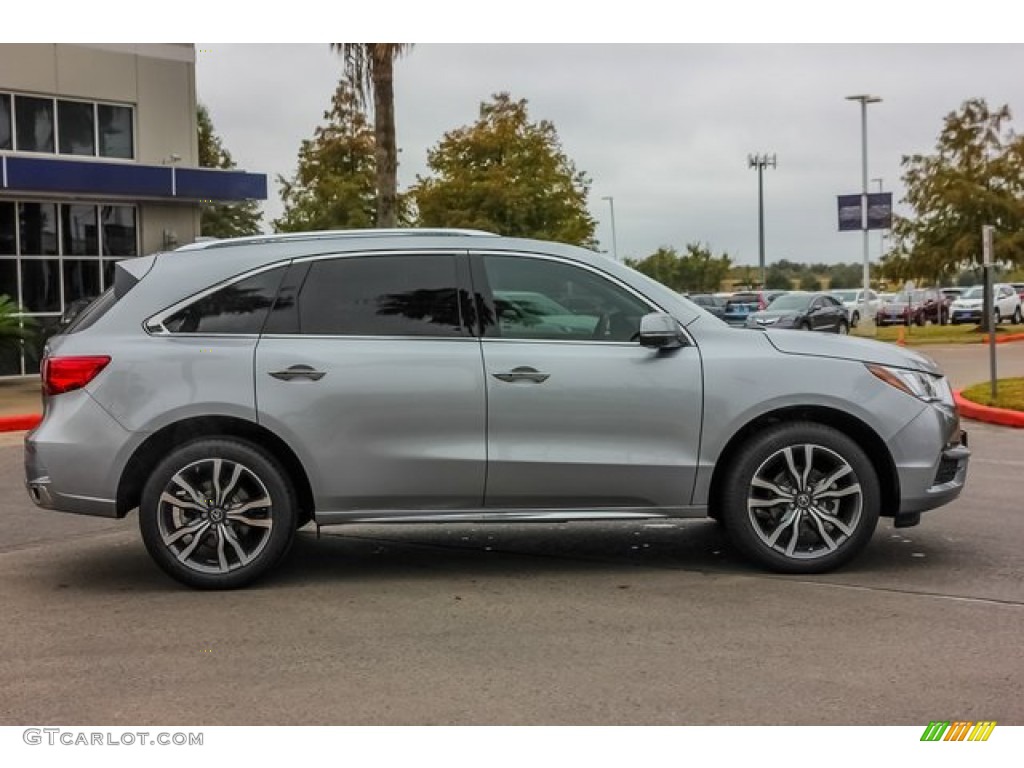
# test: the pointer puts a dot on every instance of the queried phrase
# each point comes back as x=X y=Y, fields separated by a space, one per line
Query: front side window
x=402 y=295
x=239 y=308
x=544 y=299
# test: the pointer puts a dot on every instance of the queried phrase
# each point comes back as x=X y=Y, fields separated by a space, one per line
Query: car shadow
x=384 y=552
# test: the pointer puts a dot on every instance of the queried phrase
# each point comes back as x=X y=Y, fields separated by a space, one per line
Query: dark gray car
x=233 y=391
x=804 y=312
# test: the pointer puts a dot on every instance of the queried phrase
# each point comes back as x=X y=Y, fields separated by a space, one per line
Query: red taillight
x=64 y=374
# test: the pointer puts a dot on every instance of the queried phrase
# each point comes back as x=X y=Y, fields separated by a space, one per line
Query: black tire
x=920 y=320
x=239 y=538
x=805 y=326
x=997 y=317
x=854 y=319
x=1017 y=318
x=842 y=328
x=752 y=527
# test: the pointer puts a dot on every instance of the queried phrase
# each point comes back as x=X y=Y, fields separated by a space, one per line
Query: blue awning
x=93 y=177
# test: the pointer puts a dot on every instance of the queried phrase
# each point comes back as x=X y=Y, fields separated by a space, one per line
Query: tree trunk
x=384 y=128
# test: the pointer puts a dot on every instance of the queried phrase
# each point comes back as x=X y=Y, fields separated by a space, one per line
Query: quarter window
x=412 y=295
x=239 y=308
x=543 y=299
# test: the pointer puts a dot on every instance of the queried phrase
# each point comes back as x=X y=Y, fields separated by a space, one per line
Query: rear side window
x=239 y=308
x=413 y=295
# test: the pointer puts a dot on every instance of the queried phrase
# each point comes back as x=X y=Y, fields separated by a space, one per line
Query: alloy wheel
x=215 y=516
x=804 y=501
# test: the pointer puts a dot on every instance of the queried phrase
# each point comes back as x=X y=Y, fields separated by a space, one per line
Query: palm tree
x=13 y=329
x=371 y=68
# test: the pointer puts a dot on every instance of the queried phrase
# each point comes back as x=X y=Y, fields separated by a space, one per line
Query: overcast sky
x=664 y=129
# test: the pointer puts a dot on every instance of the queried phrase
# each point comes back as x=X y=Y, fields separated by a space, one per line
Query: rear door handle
x=298 y=372
x=523 y=373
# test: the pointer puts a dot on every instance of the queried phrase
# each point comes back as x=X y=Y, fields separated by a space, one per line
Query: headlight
x=924 y=386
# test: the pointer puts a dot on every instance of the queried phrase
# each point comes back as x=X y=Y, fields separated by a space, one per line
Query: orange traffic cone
x=899 y=339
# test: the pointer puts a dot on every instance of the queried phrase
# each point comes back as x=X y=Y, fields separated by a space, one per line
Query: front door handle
x=298 y=372
x=523 y=373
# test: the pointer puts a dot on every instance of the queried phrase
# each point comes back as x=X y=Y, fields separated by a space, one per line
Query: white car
x=968 y=308
x=852 y=301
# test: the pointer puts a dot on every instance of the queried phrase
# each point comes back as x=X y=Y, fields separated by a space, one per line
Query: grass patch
x=967 y=333
x=1011 y=394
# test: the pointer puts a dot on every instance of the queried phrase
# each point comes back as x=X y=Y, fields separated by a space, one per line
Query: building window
x=76 y=121
x=52 y=254
x=5 y=121
x=83 y=128
x=115 y=131
x=34 y=122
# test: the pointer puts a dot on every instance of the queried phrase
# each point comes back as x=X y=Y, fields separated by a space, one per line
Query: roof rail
x=332 y=234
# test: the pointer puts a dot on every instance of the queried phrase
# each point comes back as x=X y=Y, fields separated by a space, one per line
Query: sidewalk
x=20 y=396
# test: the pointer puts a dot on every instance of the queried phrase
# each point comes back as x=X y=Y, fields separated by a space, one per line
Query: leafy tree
x=776 y=278
x=846 y=276
x=222 y=219
x=696 y=271
x=975 y=177
x=508 y=175
x=334 y=185
x=370 y=69
x=810 y=282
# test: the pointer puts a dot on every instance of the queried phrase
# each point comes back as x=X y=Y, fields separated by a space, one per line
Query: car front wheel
x=217 y=513
x=801 y=498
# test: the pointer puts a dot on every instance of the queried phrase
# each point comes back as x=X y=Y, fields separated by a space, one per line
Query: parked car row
x=817 y=310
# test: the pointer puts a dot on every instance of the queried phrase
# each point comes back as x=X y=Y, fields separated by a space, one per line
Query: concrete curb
x=979 y=412
x=19 y=423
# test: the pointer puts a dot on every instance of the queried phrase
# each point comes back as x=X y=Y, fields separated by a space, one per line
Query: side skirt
x=491 y=515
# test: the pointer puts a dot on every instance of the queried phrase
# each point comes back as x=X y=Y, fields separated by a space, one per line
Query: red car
x=915 y=307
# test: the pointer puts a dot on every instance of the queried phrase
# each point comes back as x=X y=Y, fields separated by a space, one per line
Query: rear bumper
x=59 y=474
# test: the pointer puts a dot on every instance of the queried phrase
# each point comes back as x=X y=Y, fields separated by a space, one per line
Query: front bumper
x=930 y=478
x=965 y=315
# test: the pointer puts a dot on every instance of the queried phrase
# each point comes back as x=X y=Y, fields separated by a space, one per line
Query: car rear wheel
x=217 y=513
x=801 y=498
x=1017 y=317
x=854 y=319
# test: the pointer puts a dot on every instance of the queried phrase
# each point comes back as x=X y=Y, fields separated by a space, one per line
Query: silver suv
x=233 y=391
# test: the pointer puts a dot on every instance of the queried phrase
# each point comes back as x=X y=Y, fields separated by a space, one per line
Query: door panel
x=392 y=423
x=612 y=425
x=368 y=370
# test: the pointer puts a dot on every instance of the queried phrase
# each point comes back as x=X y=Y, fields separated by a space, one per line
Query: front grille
x=947 y=471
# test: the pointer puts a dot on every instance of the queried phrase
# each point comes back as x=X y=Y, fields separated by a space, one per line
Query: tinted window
x=381 y=296
x=542 y=299
x=77 y=129
x=237 y=308
x=35 y=124
x=40 y=285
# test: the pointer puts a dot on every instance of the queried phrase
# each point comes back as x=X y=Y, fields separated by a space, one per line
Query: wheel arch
x=156 y=446
x=862 y=434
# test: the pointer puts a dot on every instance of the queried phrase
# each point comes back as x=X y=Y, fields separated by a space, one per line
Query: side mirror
x=660 y=331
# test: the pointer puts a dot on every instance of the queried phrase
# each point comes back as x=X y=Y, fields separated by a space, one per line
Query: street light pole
x=615 y=242
x=760 y=162
x=864 y=100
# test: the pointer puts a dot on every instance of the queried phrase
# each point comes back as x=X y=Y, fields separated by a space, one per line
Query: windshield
x=902 y=298
x=791 y=301
x=845 y=295
x=977 y=292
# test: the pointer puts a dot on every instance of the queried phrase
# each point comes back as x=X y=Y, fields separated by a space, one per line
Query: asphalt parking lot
x=625 y=623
